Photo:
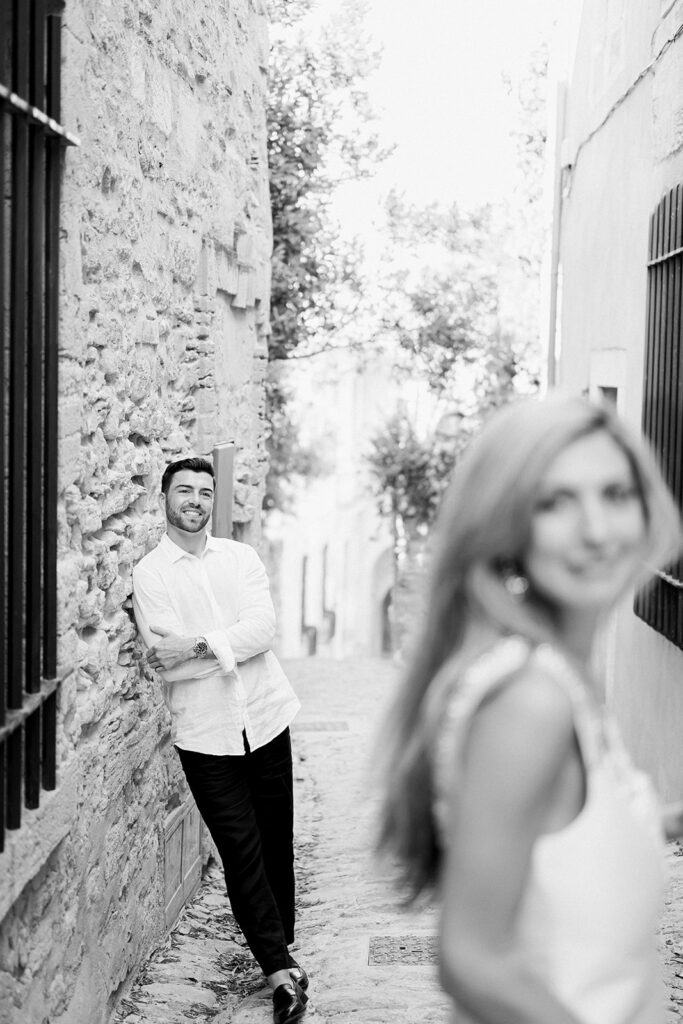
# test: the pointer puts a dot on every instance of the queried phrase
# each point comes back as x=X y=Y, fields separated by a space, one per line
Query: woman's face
x=587 y=528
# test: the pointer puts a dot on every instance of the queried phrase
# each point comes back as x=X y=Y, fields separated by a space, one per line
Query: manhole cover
x=421 y=950
x=323 y=726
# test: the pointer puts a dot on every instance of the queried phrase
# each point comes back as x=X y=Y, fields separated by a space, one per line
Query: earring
x=515 y=584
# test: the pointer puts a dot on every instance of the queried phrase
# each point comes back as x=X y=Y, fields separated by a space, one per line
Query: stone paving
x=347 y=908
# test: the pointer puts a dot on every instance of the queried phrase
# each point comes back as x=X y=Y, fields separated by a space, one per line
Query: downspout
x=561 y=99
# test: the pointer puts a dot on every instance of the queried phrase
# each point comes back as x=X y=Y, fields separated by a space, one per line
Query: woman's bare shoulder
x=528 y=717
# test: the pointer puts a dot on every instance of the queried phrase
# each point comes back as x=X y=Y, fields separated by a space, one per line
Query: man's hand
x=170 y=651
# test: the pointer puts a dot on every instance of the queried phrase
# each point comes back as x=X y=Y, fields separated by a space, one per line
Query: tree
x=442 y=305
x=320 y=133
x=409 y=474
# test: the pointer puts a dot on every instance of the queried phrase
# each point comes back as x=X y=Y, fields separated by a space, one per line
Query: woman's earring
x=515 y=584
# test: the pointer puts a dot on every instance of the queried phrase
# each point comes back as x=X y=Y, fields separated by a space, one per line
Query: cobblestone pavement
x=347 y=909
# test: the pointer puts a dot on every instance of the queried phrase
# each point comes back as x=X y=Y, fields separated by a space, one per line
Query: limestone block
x=116 y=595
x=245 y=248
x=91 y=607
x=69 y=459
x=113 y=427
x=241 y=494
x=97 y=656
x=175 y=443
x=244 y=513
x=67 y=651
x=70 y=415
x=151 y=423
x=148 y=332
x=207 y=273
x=69 y=587
x=184 y=262
x=107 y=569
x=84 y=512
x=94 y=460
x=227 y=272
x=159 y=99
x=136 y=66
x=142 y=377
x=245 y=288
x=82 y=654
x=119 y=499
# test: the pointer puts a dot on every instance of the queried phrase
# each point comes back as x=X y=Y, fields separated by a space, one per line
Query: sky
x=441 y=99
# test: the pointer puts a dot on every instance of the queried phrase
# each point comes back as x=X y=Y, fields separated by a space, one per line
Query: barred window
x=31 y=142
x=662 y=605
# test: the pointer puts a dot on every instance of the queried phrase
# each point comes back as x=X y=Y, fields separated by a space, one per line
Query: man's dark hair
x=197 y=465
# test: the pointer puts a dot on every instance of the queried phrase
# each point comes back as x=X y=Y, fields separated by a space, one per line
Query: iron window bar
x=32 y=141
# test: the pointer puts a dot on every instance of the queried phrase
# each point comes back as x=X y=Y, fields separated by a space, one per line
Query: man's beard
x=189 y=525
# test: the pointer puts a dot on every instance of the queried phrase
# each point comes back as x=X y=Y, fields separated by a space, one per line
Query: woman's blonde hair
x=482 y=534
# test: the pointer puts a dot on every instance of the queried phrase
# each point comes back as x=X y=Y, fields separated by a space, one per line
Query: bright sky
x=441 y=96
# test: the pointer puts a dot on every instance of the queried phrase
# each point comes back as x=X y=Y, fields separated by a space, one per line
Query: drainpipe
x=561 y=100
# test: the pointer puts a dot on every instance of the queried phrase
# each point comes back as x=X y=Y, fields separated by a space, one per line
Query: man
x=203 y=607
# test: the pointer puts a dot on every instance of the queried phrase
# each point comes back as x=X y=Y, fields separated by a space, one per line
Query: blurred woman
x=507 y=784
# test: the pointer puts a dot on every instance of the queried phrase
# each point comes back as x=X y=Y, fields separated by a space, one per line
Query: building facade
x=151 y=344
x=617 y=286
x=332 y=554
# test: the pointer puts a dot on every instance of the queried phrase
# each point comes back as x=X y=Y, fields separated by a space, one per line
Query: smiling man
x=204 y=610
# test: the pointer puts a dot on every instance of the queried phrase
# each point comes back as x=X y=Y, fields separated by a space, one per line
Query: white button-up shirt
x=222 y=595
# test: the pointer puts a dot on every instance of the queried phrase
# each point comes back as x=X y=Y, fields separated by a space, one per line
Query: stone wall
x=164 y=308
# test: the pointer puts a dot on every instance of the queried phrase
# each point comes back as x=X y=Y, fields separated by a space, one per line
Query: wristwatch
x=200 y=647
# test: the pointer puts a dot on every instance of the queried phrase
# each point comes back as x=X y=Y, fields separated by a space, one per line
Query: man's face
x=189 y=500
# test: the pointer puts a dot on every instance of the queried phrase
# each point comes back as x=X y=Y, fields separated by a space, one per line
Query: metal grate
x=31 y=142
x=322 y=726
x=661 y=606
x=409 y=950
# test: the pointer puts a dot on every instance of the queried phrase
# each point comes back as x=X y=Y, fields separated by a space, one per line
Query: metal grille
x=409 y=950
x=661 y=606
x=31 y=141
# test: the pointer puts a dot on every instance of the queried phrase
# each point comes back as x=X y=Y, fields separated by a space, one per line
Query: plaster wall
x=623 y=150
x=165 y=246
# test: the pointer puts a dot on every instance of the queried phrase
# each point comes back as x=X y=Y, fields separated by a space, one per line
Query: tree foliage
x=320 y=133
x=409 y=474
x=443 y=305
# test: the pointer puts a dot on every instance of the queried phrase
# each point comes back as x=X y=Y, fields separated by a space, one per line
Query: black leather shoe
x=298 y=974
x=289 y=1003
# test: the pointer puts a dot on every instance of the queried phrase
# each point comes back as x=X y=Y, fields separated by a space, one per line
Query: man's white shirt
x=222 y=595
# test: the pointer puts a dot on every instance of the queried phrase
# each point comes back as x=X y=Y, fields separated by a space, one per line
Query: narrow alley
x=368 y=960
x=347 y=910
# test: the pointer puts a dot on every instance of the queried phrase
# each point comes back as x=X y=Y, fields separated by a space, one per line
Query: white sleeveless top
x=588 y=919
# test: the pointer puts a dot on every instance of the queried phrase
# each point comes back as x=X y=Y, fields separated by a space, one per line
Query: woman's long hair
x=482 y=534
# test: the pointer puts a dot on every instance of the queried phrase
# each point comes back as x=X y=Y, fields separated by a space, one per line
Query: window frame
x=661 y=604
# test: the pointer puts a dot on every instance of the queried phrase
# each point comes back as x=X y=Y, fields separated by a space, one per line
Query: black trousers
x=248 y=805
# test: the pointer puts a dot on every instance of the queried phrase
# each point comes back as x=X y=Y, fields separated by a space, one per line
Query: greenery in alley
x=409 y=473
x=454 y=301
x=320 y=133
x=460 y=310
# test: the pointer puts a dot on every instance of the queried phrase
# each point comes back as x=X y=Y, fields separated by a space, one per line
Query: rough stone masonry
x=165 y=246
